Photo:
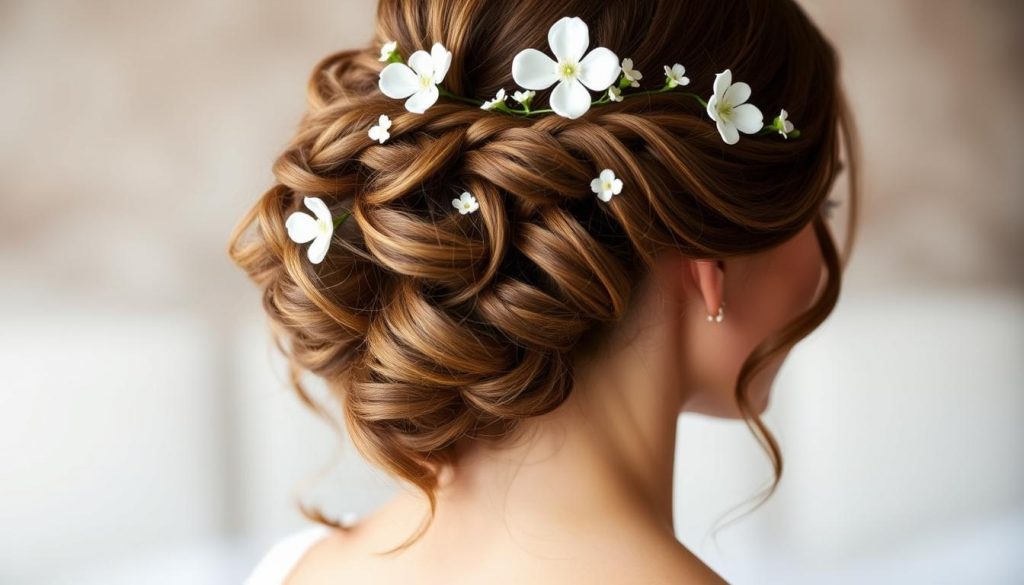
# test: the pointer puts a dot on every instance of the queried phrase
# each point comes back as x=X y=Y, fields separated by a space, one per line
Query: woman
x=518 y=239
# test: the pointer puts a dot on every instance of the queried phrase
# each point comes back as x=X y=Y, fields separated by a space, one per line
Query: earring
x=721 y=314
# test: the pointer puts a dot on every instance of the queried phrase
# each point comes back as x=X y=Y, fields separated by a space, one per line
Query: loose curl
x=431 y=326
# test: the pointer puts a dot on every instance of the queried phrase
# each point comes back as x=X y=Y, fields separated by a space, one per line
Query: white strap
x=282 y=558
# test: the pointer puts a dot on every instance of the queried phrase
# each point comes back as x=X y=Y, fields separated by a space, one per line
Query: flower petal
x=722 y=82
x=570 y=99
x=398 y=81
x=384 y=121
x=422 y=63
x=421 y=100
x=318 y=249
x=442 y=59
x=318 y=207
x=737 y=93
x=386 y=49
x=617 y=186
x=728 y=131
x=713 y=107
x=569 y=39
x=747 y=118
x=532 y=69
x=301 y=227
x=599 y=69
x=607 y=175
x=595 y=185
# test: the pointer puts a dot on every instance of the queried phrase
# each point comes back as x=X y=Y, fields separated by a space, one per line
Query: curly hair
x=431 y=326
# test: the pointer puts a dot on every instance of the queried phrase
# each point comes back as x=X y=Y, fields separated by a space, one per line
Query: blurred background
x=147 y=434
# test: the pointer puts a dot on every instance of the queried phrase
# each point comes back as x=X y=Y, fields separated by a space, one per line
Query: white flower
x=783 y=124
x=606 y=185
x=302 y=228
x=727 y=108
x=614 y=94
x=631 y=74
x=380 y=131
x=418 y=80
x=498 y=99
x=466 y=203
x=676 y=75
x=387 y=49
x=569 y=39
x=523 y=97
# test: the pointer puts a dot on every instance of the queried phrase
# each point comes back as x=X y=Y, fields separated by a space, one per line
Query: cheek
x=783 y=283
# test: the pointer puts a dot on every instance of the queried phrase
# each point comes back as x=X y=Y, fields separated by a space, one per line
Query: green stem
x=698 y=98
x=525 y=110
x=449 y=94
x=341 y=218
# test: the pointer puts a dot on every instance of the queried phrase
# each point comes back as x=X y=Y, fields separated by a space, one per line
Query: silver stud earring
x=721 y=314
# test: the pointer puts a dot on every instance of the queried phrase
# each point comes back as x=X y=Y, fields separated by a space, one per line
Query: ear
x=709 y=276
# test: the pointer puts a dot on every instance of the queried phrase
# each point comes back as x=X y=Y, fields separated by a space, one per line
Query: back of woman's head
x=431 y=326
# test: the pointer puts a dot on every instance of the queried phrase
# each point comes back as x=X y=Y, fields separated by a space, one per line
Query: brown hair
x=431 y=326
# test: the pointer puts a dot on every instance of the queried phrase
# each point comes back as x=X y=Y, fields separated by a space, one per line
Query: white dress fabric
x=284 y=556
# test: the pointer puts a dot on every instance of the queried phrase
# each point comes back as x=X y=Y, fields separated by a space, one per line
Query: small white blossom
x=614 y=94
x=676 y=75
x=466 y=203
x=728 y=109
x=523 y=97
x=387 y=49
x=574 y=73
x=783 y=125
x=498 y=99
x=418 y=80
x=303 y=227
x=631 y=74
x=606 y=185
x=380 y=131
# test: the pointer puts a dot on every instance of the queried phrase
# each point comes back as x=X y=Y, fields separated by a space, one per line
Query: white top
x=284 y=556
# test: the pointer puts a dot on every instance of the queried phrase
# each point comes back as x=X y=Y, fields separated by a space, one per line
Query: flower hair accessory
x=303 y=228
x=575 y=71
x=419 y=80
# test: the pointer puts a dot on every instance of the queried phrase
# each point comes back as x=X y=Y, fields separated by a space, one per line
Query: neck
x=608 y=452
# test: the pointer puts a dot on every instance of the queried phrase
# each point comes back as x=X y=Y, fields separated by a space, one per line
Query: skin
x=585 y=495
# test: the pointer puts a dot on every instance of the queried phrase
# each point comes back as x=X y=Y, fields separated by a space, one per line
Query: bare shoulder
x=678 y=565
x=665 y=561
x=340 y=557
